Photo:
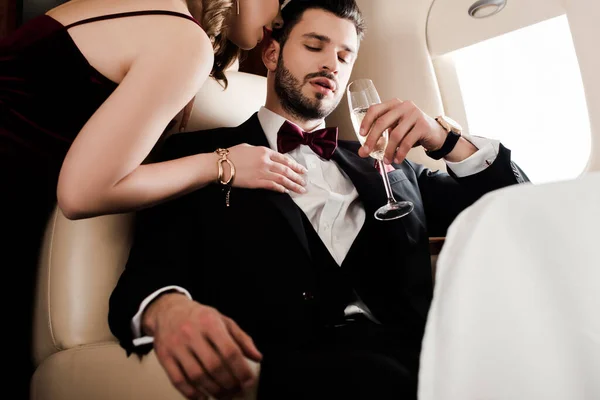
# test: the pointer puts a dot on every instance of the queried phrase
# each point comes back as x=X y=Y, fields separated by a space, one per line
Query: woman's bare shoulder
x=178 y=43
x=114 y=46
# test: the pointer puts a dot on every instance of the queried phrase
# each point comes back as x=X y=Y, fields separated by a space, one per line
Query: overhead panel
x=450 y=27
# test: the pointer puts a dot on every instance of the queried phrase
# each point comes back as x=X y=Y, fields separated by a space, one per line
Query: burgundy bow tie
x=322 y=141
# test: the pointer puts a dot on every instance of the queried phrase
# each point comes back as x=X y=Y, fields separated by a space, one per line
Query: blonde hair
x=212 y=15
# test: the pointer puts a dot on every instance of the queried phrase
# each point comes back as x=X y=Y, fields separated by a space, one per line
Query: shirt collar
x=271 y=123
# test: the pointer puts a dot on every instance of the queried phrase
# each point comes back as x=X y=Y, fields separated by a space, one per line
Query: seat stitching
x=50 y=257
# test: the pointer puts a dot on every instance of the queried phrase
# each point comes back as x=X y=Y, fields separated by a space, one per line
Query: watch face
x=455 y=125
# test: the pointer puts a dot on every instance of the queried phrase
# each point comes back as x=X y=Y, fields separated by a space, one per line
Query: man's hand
x=203 y=352
x=408 y=127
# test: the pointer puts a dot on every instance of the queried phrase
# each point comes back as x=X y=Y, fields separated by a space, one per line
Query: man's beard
x=289 y=91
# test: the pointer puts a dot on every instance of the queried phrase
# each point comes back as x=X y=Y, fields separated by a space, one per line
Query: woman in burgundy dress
x=86 y=91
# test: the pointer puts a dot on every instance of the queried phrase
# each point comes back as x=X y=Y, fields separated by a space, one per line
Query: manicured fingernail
x=302 y=190
x=367 y=148
x=386 y=160
x=396 y=160
x=362 y=131
x=286 y=191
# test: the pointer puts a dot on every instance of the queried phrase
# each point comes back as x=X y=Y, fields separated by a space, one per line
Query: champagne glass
x=361 y=95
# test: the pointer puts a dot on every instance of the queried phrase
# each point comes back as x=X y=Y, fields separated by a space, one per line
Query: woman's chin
x=245 y=45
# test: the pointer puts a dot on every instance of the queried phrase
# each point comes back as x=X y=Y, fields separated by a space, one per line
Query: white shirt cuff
x=487 y=151
x=136 y=321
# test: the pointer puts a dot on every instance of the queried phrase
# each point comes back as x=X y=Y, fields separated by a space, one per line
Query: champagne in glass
x=361 y=95
x=357 y=116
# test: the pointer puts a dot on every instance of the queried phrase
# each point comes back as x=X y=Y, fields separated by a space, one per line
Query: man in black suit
x=335 y=299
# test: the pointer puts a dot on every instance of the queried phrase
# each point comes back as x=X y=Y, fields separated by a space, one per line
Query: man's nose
x=330 y=64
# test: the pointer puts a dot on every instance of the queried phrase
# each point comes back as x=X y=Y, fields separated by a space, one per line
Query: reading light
x=486 y=8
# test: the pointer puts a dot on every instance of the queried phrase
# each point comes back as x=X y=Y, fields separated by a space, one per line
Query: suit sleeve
x=157 y=259
x=446 y=195
x=158 y=256
x=164 y=236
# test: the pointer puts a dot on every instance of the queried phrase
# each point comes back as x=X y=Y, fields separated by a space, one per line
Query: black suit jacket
x=252 y=260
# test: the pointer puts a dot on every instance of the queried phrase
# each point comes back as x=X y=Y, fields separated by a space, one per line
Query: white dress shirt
x=331 y=202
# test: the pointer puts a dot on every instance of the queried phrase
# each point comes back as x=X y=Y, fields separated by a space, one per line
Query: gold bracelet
x=223 y=153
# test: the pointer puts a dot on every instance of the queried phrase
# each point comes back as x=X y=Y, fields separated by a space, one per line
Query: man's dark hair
x=293 y=11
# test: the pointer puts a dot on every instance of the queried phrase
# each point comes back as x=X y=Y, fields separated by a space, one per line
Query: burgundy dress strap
x=132 y=14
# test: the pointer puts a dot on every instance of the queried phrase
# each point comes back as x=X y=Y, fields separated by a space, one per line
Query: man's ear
x=270 y=55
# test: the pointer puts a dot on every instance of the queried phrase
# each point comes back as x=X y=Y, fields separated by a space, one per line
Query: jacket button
x=307 y=296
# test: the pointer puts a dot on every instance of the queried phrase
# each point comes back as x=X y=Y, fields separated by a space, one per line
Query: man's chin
x=327 y=106
x=330 y=98
x=319 y=104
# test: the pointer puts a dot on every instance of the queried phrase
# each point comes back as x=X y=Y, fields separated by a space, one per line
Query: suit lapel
x=371 y=190
x=364 y=176
x=283 y=202
x=396 y=236
x=291 y=212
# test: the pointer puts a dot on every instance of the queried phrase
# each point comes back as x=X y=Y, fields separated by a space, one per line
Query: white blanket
x=516 y=309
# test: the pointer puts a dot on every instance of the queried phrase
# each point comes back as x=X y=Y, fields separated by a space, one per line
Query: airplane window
x=525 y=89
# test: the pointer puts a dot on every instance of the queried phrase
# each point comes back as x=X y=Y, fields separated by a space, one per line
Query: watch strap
x=446 y=148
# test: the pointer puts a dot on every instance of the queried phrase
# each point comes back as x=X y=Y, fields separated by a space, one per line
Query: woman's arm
x=103 y=172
